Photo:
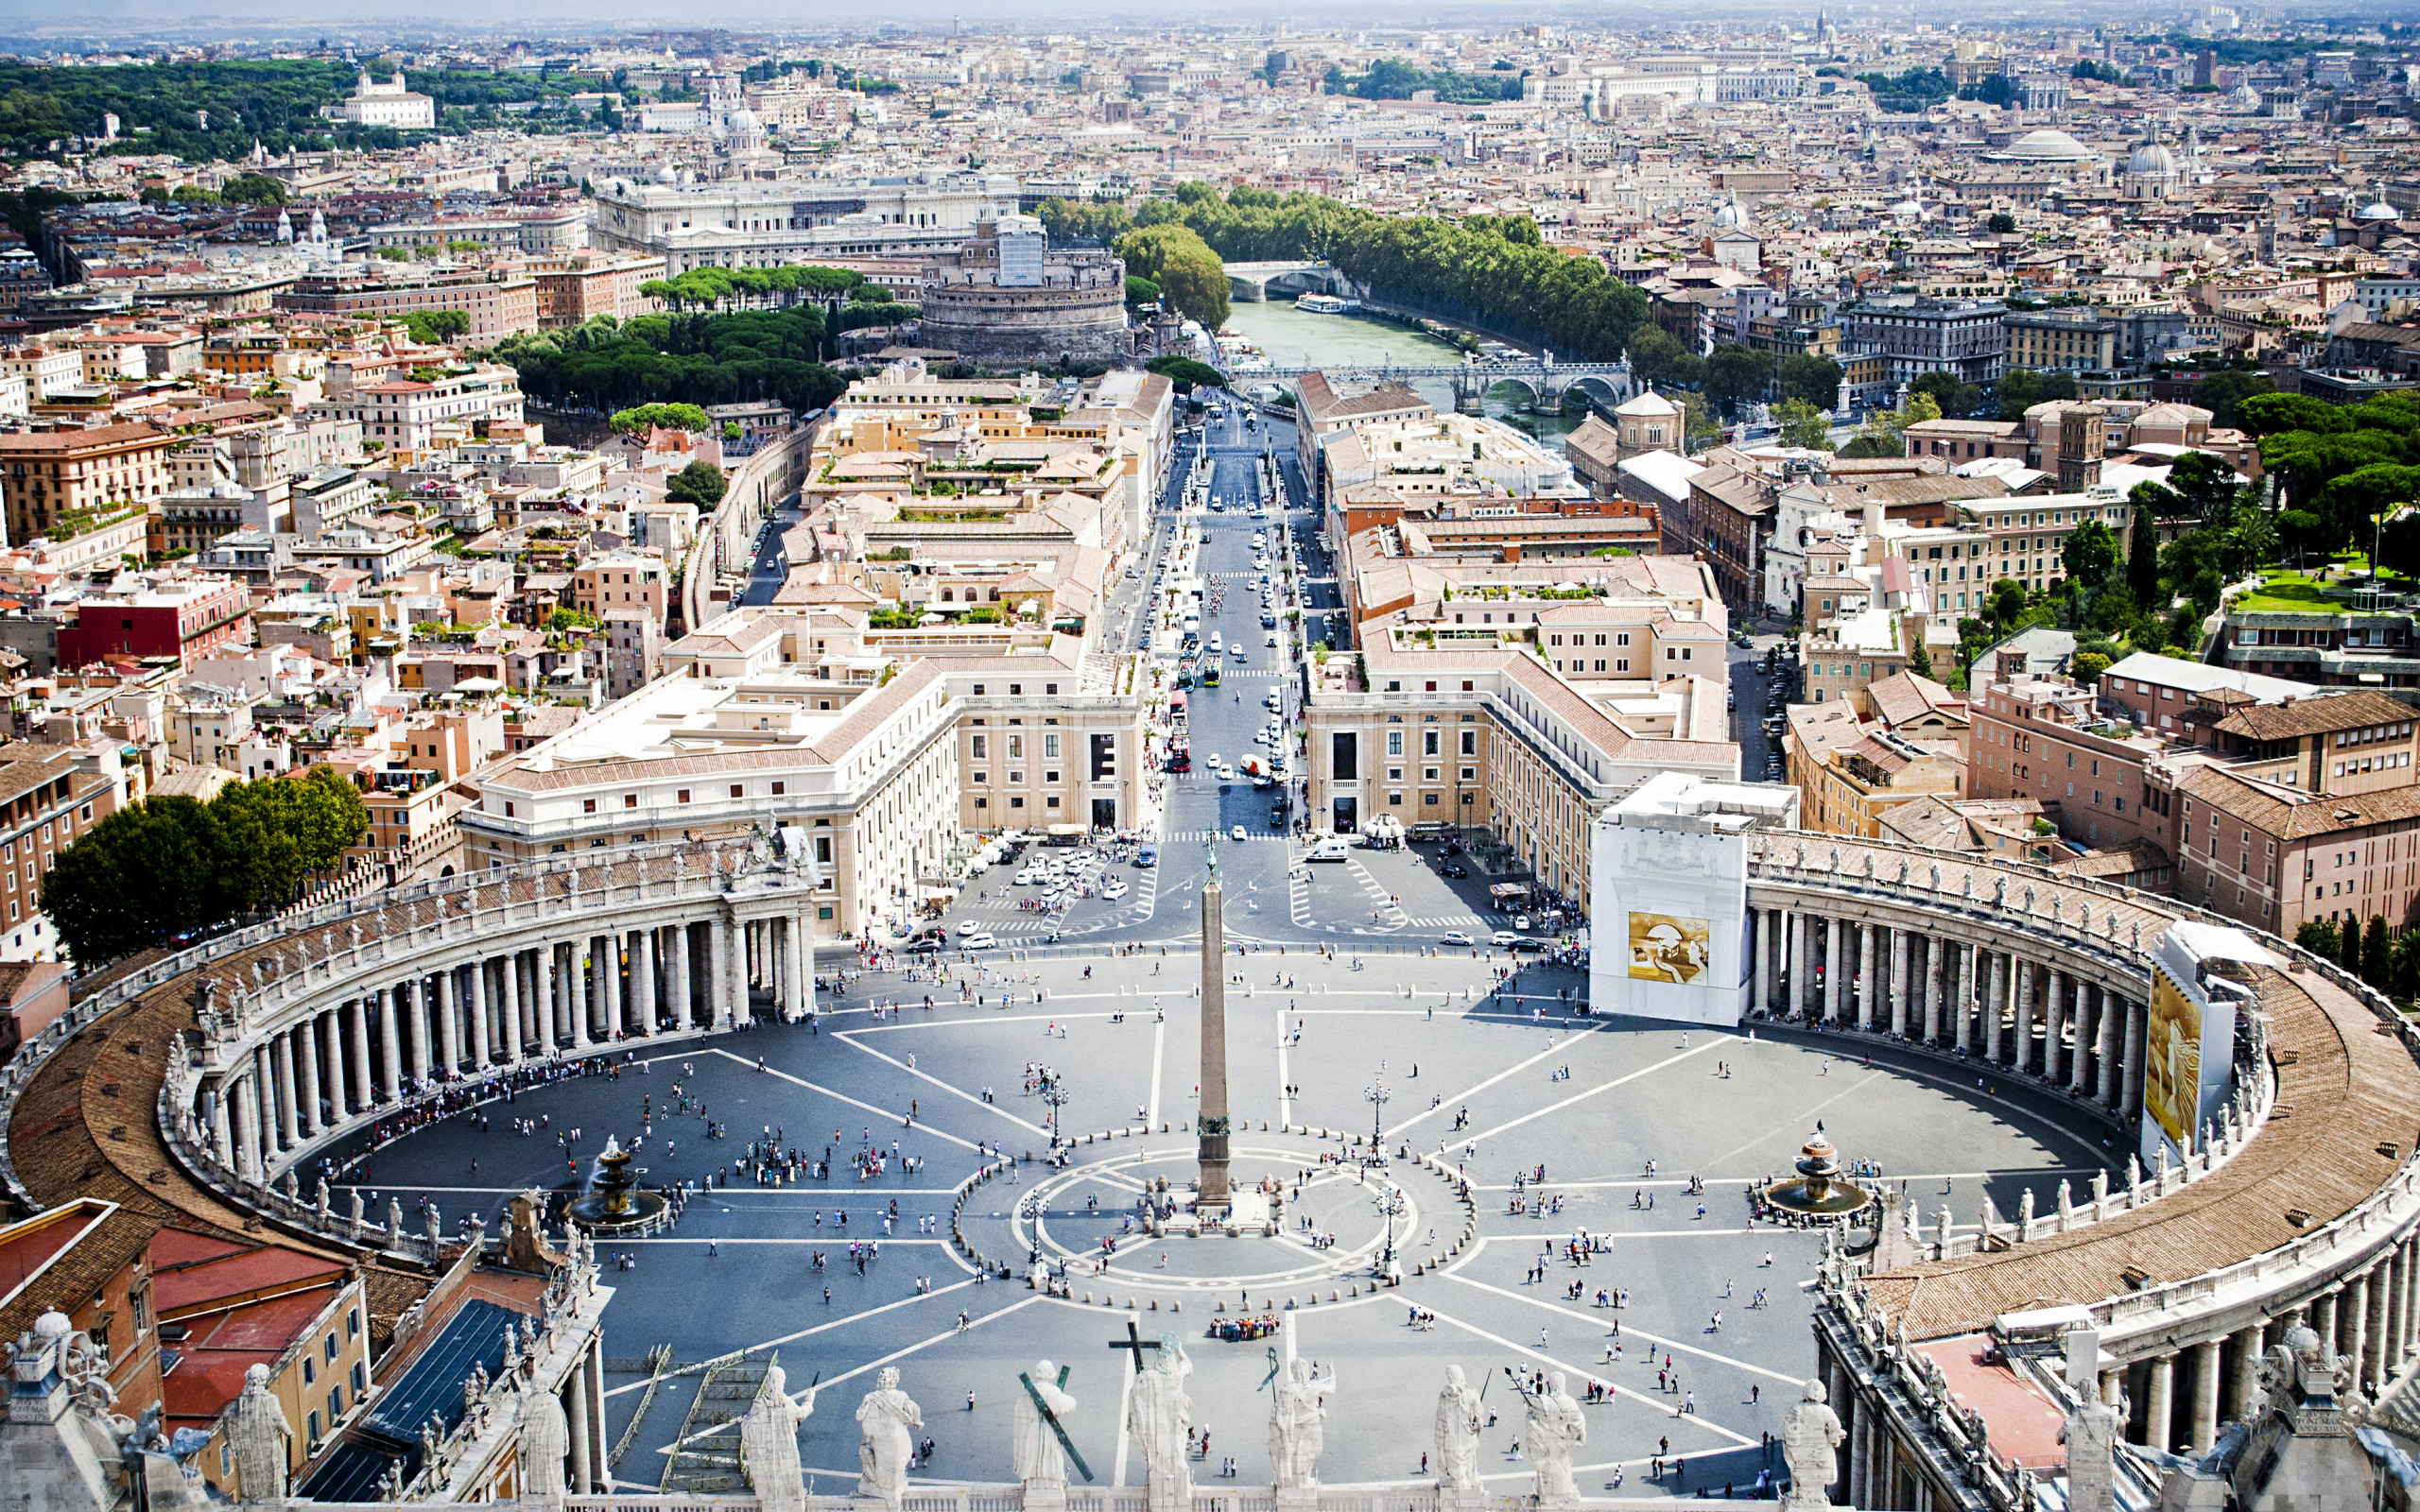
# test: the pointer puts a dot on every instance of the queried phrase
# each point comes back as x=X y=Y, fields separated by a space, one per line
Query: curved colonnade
x=2298 y=1207
x=285 y=1039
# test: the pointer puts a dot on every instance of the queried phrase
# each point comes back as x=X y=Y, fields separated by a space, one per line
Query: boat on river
x=1326 y=304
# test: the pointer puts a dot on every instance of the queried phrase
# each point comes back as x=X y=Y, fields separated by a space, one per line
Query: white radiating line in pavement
x=1284 y=1102
x=1585 y=1372
x=1559 y=1047
x=1912 y=1176
x=1669 y=1345
x=884 y=1112
x=841 y=1322
x=821 y=1385
x=1600 y=1087
x=849 y=1037
x=1159 y=1051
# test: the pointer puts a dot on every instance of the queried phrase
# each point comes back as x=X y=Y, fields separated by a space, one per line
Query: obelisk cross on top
x=1211 y=1119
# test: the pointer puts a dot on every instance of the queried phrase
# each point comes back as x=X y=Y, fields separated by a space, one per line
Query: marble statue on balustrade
x=2091 y=1434
x=545 y=1438
x=769 y=1444
x=1298 y=1426
x=1555 y=1431
x=1810 y=1442
x=257 y=1433
x=1459 y=1418
x=1160 y=1415
x=1034 y=1450
x=887 y=1421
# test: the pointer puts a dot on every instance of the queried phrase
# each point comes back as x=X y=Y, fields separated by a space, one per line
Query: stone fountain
x=614 y=1205
x=1818 y=1191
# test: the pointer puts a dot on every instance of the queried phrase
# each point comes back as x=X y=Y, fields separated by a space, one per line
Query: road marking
x=883 y=1112
x=849 y=1037
x=821 y=1328
x=1600 y=1087
x=1668 y=1346
x=1559 y=1047
x=1586 y=1372
x=1159 y=1051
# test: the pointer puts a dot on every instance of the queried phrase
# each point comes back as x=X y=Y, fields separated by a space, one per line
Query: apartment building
x=2062 y=340
x=497 y=304
x=580 y=287
x=2043 y=738
x=407 y=415
x=2024 y=534
x=47 y=477
x=1328 y=408
x=1963 y=337
x=49 y=794
x=187 y=617
x=2276 y=858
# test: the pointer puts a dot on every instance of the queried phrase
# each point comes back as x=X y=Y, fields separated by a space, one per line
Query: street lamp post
x=1054 y=1097
x=1389 y=1203
x=1376 y=1094
x=1031 y=1210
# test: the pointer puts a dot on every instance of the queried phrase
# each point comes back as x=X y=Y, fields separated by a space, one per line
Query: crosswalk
x=1222 y=837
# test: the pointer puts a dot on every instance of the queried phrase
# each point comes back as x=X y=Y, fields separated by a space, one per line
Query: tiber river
x=1296 y=338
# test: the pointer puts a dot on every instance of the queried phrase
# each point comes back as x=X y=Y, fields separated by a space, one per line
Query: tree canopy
x=698 y=359
x=1188 y=274
x=701 y=483
x=667 y=417
x=170 y=864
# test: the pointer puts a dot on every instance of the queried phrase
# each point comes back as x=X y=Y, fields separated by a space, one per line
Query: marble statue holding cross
x=1040 y=1449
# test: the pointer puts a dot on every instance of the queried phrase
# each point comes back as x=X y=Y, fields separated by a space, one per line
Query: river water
x=1296 y=339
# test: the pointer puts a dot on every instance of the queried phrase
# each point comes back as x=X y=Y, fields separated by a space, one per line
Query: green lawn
x=2290 y=592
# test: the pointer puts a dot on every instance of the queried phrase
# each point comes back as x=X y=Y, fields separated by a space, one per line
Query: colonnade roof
x=87 y=1125
x=2347 y=1090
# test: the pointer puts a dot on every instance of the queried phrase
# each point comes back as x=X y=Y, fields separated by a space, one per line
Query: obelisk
x=1212 y=1119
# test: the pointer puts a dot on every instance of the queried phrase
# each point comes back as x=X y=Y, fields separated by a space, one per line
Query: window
x=1394 y=742
x=734 y=790
x=588 y=805
x=682 y=796
x=982 y=743
x=331 y=1348
x=1050 y=748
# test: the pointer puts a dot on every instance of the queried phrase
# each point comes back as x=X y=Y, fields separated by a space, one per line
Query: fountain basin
x=613 y=1205
x=1818 y=1191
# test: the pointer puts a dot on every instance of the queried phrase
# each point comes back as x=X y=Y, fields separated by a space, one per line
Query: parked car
x=1453 y=868
x=1505 y=937
x=980 y=941
x=1455 y=938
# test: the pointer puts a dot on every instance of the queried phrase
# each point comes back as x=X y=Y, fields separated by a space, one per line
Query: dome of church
x=1731 y=216
x=2381 y=211
x=2152 y=161
x=2047 y=146
x=743 y=122
x=2245 y=100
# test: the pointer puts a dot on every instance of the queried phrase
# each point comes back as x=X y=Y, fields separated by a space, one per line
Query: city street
x=1272 y=894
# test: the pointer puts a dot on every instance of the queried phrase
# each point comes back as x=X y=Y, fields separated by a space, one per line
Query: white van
x=1329 y=849
x=1217 y=642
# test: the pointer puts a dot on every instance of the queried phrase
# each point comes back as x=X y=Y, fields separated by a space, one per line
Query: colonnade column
x=420 y=1049
x=2054 y=1023
x=1935 y=953
x=2110 y=1020
x=2082 y=1059
x=683 y=997
x=1869 y=986
x=2398 y=1284
x=615 y=991
x=2246 y=1378
x=391 y=1052
x=2130 y=1078
x=1901 y=968
x=576 y=1389
x=508 y=1019
x=720 y=970
x=643 y=980
x=2021 y=1019
x=222 y=1134
x=1962 y=1000
x=2353 y=1322
x=542 y=996
x=282 y=1058
x=2374 y=1351
x=1761 y=1000
x=480 y=1047
x=2159 y=1404
x=1832 y=973
x=1800 y=992
x=587 y=992
x=449 y=1037
x=306 y=1046
x=2206 y=1396
x=247 y=1133
x=1994 y=1002
x=263 y=1090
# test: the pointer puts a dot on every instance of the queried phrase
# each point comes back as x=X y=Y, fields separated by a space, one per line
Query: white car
x=980 y=941
x=1114 y=891
x=1453 y=937
x=1504 y=937
x=1236 y=833
x=1226 y=774
x=1027 y=877
x=1260 y=738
